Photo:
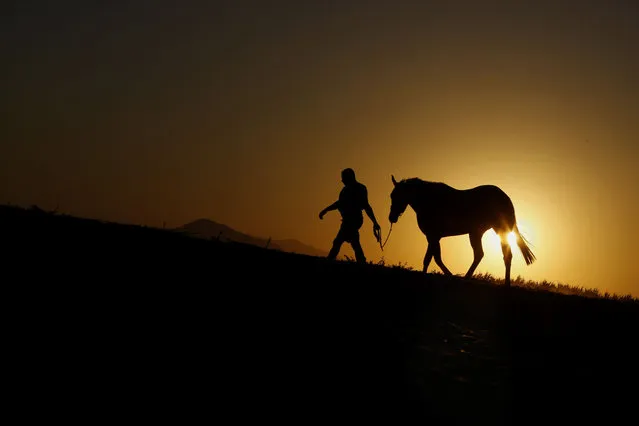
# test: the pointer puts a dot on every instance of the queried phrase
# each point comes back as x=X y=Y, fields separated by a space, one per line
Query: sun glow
x=512 y=240
x=495 y=241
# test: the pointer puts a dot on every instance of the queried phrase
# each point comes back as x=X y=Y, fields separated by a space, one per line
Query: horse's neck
x=418 y=204
x=426 y=196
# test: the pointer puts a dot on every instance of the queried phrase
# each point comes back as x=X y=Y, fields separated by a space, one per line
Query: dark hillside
x=118 y=321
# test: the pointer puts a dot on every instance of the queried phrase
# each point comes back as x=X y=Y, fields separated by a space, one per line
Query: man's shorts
x=349 y=230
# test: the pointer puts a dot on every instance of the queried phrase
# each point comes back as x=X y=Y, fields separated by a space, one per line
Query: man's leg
x=337 y=245
x=357 y=248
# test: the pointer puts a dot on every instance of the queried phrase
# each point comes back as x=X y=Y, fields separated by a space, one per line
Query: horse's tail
x=522 y=243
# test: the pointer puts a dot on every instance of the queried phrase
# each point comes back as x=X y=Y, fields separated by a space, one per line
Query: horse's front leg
x=438 y=257
x=428 y=257
x=478 y=252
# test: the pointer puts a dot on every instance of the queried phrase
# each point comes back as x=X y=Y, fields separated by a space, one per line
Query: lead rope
x=380 y=239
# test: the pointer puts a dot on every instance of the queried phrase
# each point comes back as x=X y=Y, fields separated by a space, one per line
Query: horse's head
x=399 y=200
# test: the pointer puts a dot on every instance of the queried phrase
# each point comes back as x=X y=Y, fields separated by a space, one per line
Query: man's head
x=348 y=176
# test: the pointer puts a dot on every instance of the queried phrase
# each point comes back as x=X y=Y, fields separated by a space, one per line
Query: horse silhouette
x=444 y=211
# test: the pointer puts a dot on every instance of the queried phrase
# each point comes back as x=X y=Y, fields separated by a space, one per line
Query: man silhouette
x=353 y=198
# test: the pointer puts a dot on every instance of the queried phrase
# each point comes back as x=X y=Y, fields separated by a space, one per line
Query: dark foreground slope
x=131 y=323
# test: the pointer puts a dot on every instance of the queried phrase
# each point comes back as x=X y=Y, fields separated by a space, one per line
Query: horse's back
x=487 y=201
x=455 y=198
x=486 y=192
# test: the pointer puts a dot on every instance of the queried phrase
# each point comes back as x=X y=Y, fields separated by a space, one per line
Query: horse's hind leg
x=508 y=257
x=437 y=254
x=478 y=252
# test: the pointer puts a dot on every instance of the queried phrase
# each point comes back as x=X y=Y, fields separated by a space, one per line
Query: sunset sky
x=245 y=112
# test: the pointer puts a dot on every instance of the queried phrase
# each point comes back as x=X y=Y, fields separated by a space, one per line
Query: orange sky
x=245 y=113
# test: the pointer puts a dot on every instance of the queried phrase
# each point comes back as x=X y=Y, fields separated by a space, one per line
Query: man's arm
x=377 y=231
x=328 y=209
x=368 y=209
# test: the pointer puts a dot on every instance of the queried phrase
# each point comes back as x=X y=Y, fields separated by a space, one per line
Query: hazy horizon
x=245 y=113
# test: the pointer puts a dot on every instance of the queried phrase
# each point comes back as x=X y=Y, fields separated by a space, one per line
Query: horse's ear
x=394 y=181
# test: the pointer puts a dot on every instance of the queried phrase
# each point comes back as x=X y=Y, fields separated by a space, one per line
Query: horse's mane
x=415 y=181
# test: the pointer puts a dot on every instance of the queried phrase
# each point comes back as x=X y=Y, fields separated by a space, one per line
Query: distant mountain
x=295 y=246
x=206 y=228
